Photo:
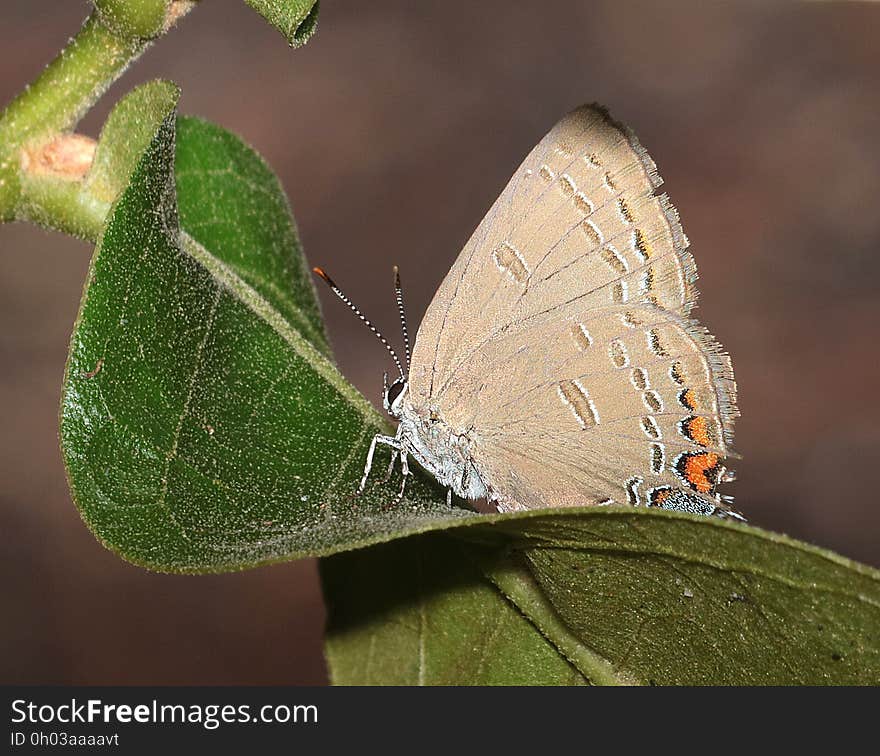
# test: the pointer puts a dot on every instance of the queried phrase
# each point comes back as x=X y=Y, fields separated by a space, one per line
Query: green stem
x=68 y=87
x=54 y=103
x=63 y=205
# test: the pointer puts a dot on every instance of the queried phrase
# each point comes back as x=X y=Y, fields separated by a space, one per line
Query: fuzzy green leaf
x=127 y=133
x=233 y=205
x=630 y=596
x=417 y=612
x=667 y=600
x=202 y=425
x=295 y=19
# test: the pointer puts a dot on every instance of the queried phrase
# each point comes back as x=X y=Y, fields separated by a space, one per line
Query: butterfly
x=557 y=364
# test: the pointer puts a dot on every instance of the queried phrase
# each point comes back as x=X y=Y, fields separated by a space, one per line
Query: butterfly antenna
x=398 y=290
x=338 y=292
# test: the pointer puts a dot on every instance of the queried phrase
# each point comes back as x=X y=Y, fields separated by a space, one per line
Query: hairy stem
x=54 y=190
x=51 y=106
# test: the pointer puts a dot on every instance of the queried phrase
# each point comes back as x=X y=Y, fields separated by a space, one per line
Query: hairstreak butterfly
x=557 y=364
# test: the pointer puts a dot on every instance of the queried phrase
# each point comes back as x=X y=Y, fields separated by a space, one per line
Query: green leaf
x=204 y=428
x=632 y=596
x=232 y=204
x=417 y=612
x=295 y=19
x=669 y=600
x=127 y=133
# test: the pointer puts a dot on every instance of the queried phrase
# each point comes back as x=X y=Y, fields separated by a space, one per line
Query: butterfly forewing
x=578 y=222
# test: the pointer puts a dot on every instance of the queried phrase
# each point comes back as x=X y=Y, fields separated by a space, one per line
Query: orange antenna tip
x=322 y=274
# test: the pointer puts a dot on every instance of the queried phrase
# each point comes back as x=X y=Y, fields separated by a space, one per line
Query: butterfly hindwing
x=625 y=392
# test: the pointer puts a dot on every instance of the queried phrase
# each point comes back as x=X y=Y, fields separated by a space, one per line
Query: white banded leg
x=404 y=466
x=390 y=467
x=391 y=441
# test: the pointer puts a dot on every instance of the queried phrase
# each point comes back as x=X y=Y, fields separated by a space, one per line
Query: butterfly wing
x=578 y=224
x=632 y=404
x=560 y=342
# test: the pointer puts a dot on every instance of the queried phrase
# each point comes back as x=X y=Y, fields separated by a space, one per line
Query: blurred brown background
x=393 y=130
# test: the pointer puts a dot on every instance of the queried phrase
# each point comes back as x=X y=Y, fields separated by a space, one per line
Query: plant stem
x=54 y=190
x=71 y=83
x=52 y=105
x=62 y=206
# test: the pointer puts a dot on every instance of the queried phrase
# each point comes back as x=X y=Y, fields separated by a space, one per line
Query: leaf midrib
x=225 y=276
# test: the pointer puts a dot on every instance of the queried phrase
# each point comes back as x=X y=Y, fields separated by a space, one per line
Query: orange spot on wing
x=688 y=399
x=699 y=429
x=700 y=470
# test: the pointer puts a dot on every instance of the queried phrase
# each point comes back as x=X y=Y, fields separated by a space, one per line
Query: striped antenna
x=398 y=290
x=338 y=292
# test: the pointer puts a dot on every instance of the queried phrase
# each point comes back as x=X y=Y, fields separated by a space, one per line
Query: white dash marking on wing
x=575 y=397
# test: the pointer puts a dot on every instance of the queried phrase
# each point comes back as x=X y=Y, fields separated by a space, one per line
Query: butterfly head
x=393 y=394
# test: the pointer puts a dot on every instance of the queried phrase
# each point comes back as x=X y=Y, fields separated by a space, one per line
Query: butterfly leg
x=390 y=467
x=391 y=441
x=404 y=466
x=448 y=497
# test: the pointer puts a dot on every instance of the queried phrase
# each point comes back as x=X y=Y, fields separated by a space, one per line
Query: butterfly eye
x=435 y=418
x=394 y=391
